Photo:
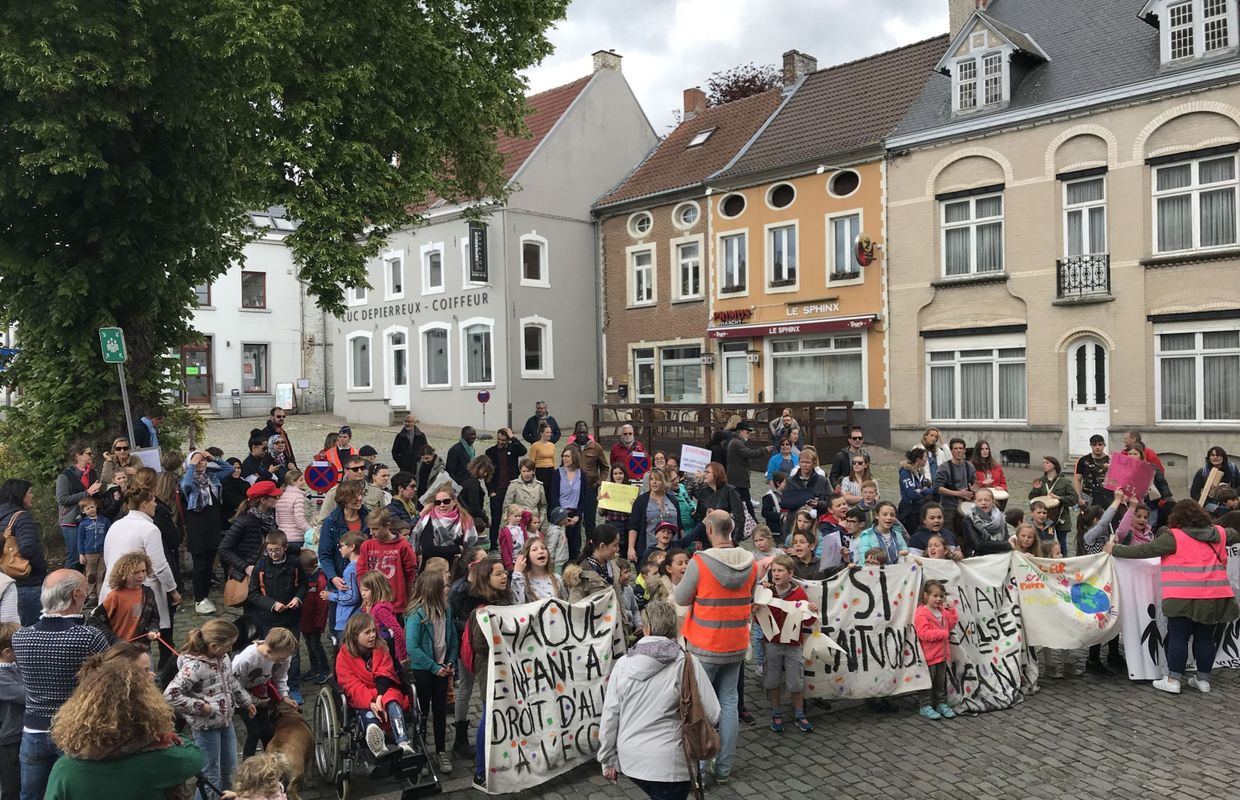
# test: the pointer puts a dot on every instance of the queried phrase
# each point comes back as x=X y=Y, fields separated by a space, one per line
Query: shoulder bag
x=12 y=562
x=700 y=739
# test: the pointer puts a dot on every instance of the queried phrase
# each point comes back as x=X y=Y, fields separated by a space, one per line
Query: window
x=1198 y=375
x=432 y=268
x=966 y=85
x=682 y=374
x=359 y=362
x=254 y=368
x=1085 y=217
x=700 y=138
x=842 y=184
x=733 y=255
x=536 y=356
x=843 y=232
x=640 y=224
x=394 y=275
x=818 y=368
x=202 y=294
x=782 y=256
x=992 y=78
x=1193 y=28
x=688 y=269
x=434 y=344
x=355 y=295
x=643 y=375
x=1180 y=26
x=1195 y=204
x=534 y=268
x=781 y=195
x=477 y=358
x=686 y=215
x=1216 y=29
x=253 y=290
x=398 y=347
x=980 y=80
x=972 y=381
x=641 y=276
x=732 y=206
x=973 y=235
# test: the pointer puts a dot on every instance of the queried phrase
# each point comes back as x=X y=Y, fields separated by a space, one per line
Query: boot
x=463 y=747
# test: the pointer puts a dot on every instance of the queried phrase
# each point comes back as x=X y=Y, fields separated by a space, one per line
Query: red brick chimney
x=797 y=65
x=695 y=102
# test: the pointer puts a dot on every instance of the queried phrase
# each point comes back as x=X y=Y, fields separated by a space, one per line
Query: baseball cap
x=669 y=525
x=558 y=514
x=262 y=489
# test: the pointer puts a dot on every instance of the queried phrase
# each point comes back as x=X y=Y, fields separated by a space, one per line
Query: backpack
x=700 y=739
x=12 y=562
x=467 y=646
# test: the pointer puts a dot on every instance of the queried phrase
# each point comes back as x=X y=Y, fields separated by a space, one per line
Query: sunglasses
x=857 y=438
x=88 y=452
x=858 y=463
x=446 y=502
x=279 y=416
x=355 y=469
x=120 y=449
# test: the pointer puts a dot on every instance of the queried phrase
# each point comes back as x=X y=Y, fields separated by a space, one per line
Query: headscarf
x=276 y=456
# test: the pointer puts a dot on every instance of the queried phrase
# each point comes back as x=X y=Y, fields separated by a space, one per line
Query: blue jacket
x=349 y=600
x=778 y=463
x=330 y=531
x=420 y=641
x=90 y=534
x=216 y=470
x=869 y=539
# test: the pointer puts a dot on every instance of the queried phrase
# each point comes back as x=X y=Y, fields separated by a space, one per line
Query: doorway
x=735 y=372
x=196 y=371
x=1089 y=409
x=643 y=375
x=397 y=340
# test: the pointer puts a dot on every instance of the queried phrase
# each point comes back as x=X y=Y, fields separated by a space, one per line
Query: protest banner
x=869 y=613
x=1130 y=474
x=617 y=496
x=1066 y=603
x=693 y=459
x=1141 y=619
x=990 y=667
x=548 y=668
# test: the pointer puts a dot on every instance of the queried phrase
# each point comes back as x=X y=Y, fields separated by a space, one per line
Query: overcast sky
x=670 y=45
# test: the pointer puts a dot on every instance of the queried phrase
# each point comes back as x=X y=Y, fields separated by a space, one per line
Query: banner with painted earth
x=1067 y=603
x=990 y=667
x=547 y=673
x=868 y=613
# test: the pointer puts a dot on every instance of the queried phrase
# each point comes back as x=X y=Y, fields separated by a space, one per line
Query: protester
x=404 y=505
x=937 y=453
x=444 y=528
x=378 y=485
x=1132 y=441
x=807 y=486
x=595 y=468
x=505 y=456
x=262 y=669
x=1056 y=492
x=243 y=545
x=915 y=488
x=137 y=532
x=355 y=469
x=1090 y=475
x=531 y=431
x=347 y=598
x=432 y=649
x=146 y=432
x=624 y=450
x=256 y=466
x=533 y=574
x=784 y=662
x=461 y=453
x=989 y=473
x=851 y=481
x=349 y=516
x=292 y=512
x=716 y=493
x=650 y=510
x=841 y=466
x=490 y=587
x=594 y=570
x=934 y=622
x=16 y=500
x=277 y=590
x=718 y=444
x=888 y=535
x=527 y=491
x=771 y=513
x=77 y=482
x=473 y=495
x=314 y=615
x=739 y=454
x=389 y=554
x=985 y=528
x=783 y=460
x=275 y=427
x=1216 y=459
x=954 y=481
x=569 y=481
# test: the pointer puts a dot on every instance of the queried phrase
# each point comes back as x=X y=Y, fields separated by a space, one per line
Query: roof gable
x=1019 y=41
x=545 y=110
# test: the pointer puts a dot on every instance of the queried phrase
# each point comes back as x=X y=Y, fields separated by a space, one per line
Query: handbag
x=698 y=735
x=236 y=592
x=12 y=562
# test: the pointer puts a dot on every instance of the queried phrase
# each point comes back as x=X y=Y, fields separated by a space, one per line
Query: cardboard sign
x=617 y=496
x=1129 y=474
x=693 y=459
x=150 y=457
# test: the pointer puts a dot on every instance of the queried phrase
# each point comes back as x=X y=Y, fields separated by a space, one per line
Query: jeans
x=219 y=754
x=396 y=720
x=71 y=552
x=433 y=695
x=724 y=677
x=203 y=564
x=757 y=644
x=589 y=510
x=10 y=771
x=480 y=745
x=29 y=604
x=1062 y=536
x=318 y=656
x=37 y=756
x=663 y=790
x=1205 y=646
x=464 y=692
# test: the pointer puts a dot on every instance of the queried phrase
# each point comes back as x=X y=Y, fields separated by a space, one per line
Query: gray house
x=508 y=307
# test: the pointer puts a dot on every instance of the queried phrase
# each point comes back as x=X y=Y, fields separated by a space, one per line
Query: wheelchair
x=340 y=749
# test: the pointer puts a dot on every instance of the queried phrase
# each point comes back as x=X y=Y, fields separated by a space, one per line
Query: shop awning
x=792 y=327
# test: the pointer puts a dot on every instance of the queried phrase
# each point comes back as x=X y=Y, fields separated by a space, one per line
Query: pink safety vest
x=1196 y=570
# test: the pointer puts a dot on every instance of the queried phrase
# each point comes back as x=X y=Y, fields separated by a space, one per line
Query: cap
x=672 y=526
x=744 y=425
x=262 y=489
x=346 y=429
x=367 y=450
x=1097 y=438
x=558 y=514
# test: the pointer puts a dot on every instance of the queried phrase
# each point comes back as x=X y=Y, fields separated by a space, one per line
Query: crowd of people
x=391 y=570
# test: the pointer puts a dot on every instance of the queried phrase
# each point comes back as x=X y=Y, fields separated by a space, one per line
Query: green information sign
x=112 y=344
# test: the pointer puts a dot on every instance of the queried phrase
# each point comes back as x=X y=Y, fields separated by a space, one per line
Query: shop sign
x=733 y=317
x=813 y=309
x=412 y=309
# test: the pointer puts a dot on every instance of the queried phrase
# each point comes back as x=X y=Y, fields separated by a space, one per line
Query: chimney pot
x=695 y=102
x=606 y=59
x=797 y=65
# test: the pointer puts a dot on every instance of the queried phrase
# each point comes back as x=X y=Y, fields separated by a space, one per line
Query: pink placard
x=1130 y=474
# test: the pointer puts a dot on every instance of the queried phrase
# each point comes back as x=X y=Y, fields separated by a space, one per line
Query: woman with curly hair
x=117 y=736
x=260 y=777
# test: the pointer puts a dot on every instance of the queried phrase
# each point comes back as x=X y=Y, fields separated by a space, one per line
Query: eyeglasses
x=120 y=449
x=445 y=502
x=275 y=551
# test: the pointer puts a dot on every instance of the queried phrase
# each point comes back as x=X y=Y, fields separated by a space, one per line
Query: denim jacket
x=216 y=469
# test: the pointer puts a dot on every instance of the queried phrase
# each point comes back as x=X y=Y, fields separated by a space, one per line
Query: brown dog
x=294 y=741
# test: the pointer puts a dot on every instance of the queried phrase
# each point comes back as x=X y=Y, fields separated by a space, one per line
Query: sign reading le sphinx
x=412 y=308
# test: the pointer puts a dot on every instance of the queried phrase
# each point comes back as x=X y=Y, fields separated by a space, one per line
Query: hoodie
x=1209 y=611
x=733 y=568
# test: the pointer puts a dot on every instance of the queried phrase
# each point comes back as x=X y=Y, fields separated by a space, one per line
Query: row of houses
x=1024 y=229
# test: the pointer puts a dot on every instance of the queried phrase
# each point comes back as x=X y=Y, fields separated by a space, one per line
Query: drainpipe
x=600 y=393
x=709 y=286
x=512 y=316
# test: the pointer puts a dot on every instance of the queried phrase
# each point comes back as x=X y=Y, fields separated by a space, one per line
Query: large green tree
x=134 y=134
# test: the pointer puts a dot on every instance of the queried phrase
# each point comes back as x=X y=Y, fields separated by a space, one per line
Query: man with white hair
x=49 y=655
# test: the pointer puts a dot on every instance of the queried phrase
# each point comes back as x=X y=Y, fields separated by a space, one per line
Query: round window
x=733 y=205
x=781 y=195
x=844 y=183
x=686 y=215
x=641 y=223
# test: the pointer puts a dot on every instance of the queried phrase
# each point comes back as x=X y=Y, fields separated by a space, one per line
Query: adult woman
x=444 y=528
x=232 y=491
x=936 y=453
x=1216 y=459
x=782 y=460
x=118 y=738
x=171 y=531
x=1056 y=490
x=205 y=507
x=77 y=482
x=657 y=461
x=985 y=527
x=570 y=480
x=1197 y=597
x=137 y=532
x=715 y=493
x=806 y=486
x=542 y=452
x=473 y=496
x=858 y=473
x=116 y=460
x=914 y=487
x=640 y=732
x=244 y=543
x=794 y=441
x=650 y=509
x=677 y=490
x=990 y=473
x=16 y=500
x=378 y=486
x=349 y=516
x=275 y=461
x=529 y=492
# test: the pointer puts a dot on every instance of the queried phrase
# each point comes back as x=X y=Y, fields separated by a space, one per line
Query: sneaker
x=804 y=724
x=205 y=607
x=777 y=723
x=929 y=713
x=745 y=716
x=722 y=779
x=407 y=747
x=322 y=678
x=445 y=761
x=375 y=740
x=945 y=711
x=1169 y=685
x=1200 y=684
x=481 y=782
x=295 y=694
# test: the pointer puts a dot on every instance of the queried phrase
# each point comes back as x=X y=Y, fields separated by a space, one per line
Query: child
x=438 y=564
x=771 y=512
x=129 y=611
x=1026 y=540
x=664 y=534
x=532 y=578
x=804 y=561
x=875 y=557
x=12 y=710
x=618 y=518
x=389 y=555
x=557 y=535
x=934 y=622
x=432 y=651
x=512 y=535
x=262 y=669
x=869 y=501
x=1040 y=516
x=853 y=524
x=291 y=510
x=260 y=777
x=490 y=587
x=764 y=543
x=673 y=569
x=785 y=665
x=1135 y=528
x=936 y=547
x=933 y=523
x=90 y=533
x=649 y=584
x=833 y=520
x=277 y=587
x=314 y=614
x=1227 y=500
x=377 y=603
x=1014 y=517
x=463 y=599
x=207 y=693
x=370 y=683
x=349 y=599
x=628 y=600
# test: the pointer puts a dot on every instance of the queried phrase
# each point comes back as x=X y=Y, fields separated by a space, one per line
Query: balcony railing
x=1083 y=276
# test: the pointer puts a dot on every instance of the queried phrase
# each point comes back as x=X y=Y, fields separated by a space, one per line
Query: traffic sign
x=639 y=465
x=320 y=476
x=484 y=397
x=112 y=345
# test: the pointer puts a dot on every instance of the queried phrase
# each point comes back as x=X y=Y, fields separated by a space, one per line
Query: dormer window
x=980 y=81
x=986 y=58
x=1192 y=29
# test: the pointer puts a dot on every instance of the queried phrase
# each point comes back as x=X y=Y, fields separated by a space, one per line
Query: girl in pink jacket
x=934 y=622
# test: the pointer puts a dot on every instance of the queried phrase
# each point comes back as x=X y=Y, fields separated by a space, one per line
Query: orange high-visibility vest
x=718 y=621
x=1196 y=570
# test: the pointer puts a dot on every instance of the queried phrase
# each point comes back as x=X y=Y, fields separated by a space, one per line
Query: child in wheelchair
x=372 y=685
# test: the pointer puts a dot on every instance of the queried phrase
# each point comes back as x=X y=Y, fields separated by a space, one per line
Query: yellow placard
x=617 y=496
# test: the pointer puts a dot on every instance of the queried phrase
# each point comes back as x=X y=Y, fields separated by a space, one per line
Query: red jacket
x=395 y=560
x=807 y=626
x=934 y=634
x=358 y=681
x=314 y=607
x=620 y=455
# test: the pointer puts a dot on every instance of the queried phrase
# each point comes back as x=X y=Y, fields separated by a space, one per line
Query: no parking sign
x=320 y=476
x=639 y=465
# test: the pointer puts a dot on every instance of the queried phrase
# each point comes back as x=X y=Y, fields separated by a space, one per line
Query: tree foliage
x=135 y=134
x=741 y=81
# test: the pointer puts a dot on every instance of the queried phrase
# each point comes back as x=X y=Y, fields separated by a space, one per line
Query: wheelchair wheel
x=328 y=725
x=342 y=788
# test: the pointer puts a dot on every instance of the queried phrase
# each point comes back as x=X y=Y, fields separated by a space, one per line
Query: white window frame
x=972 y=224
x=956 y=344
x=680 y=209
x=636 y=218
x=351 y=366
x=355 y=296
x=630 y=257
x=388 y=259
x=1194 y=189
x=548 y=368
x=1083 y=209
x=1198 y=354
x=770 y=356
x=267 y=387
x=977 y=58
x=422 y=356
x=463 y=243
x=959 y=83
x=721 y=256
x=768 y=238
x=662 y=363
x=544 y=279
x=1198 y=27
x=678 y=266
x=463 y=327
x=831 y=218
x=424 y=253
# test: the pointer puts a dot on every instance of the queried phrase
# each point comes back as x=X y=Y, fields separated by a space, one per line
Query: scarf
x=993 y=526
x=604 y=570
x=279 y=458
x=446 y=526
x=267 y=518
x=469 y=449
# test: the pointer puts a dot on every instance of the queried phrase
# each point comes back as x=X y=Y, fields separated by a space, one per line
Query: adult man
x=146 y=432
x=954 y=482
x=505 y=455
x=780 y=428
x=408 y=444
x=275 y=427
x=622 y=450
x=1132 y=438
x=354 y=470
x=739 y=453
x=49 y=655
x=530 y=432
x=460 y=454
x=1091 y=471
x=594 y=467
x=252 y=467
x=76 y=483
x=339 y=455
x=718 y=588
x=841 y=467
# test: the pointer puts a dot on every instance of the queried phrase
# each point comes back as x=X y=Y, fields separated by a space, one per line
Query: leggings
x=1205 y=646
x=464 y=692
x=204 y=562
x=259 y=728
x=433 y=694
x=937 y=695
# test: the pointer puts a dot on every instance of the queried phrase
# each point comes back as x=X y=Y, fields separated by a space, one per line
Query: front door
x=735 y=372
x=196 y=371
x=643 y=375
x=398 y=368
x=1088 y=397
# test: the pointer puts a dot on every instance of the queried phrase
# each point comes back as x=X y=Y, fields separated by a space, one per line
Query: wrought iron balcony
x=1083 y=276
